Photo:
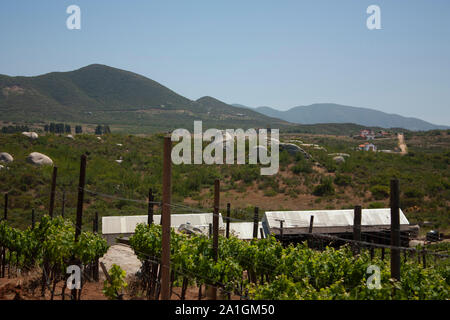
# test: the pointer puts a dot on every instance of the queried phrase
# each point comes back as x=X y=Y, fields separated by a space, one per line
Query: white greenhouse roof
x=330 y=220
x=244 y=230
x=127 y=224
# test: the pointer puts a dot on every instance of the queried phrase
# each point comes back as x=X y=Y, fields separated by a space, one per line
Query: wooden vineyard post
x=281 y=230
x=210 y=228
x=395 y=230
x=78 y=223
x=356 y=228
x=227 y=234
x=255 y=223
x=261 y=232
x=95 y=275
x=63 y=206
x=150 y=207
x=33 y=219
x=81 y=183
x=165 y=216
x=52 y=193
x=310 y=239
x=311 y=224
x=5 y=209
x=424 y=258
x=372 y=250
x=215 y=228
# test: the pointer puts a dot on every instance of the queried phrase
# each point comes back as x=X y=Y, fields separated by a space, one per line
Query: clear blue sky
x=254 y=52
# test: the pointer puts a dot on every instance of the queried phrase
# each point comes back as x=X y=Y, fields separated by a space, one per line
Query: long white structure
x=114 y=227
x=330 y=221
x=244 y=230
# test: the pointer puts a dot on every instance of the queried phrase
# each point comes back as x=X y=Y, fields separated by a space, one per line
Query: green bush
x=414 y=193
x=380 y=192
x=324 y=189
x=376 y=205
x=302 y=167
x=342 y=180
x=113 y=290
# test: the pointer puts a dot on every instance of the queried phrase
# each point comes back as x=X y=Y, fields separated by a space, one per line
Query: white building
x=114 y=227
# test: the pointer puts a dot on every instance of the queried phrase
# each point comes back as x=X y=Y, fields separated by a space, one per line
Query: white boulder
x=339 y=159
x=39 y=159
x=70 y=137
x=31 y=135
x=6 y=157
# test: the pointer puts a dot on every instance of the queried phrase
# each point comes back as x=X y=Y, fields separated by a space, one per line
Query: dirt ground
x=28 y=286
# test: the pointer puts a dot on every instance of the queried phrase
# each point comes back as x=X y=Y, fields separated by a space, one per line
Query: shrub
x=112 y=290
x=379 y=192
x=324 y=189
x=376 y=205
x=342 y=180
x=302 y=167
x=414 y=193
x=270 y=193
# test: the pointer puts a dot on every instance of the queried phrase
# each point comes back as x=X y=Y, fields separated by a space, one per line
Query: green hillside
x=299 y=185
x=102 y=94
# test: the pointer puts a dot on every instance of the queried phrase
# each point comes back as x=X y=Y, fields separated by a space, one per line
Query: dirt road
x=402 y=144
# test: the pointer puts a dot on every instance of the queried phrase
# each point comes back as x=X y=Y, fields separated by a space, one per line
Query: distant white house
x=367 y=147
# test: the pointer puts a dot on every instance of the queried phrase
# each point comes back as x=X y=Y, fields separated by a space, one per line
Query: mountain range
x=335 y=113
x=99 y=94
x=102 y=94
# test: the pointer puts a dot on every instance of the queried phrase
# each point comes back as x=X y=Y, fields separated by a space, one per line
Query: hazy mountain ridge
x=335 y=113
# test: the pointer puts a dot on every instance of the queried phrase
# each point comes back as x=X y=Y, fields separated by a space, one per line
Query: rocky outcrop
x=31 y=135
x=39 y=159
x=6 y=157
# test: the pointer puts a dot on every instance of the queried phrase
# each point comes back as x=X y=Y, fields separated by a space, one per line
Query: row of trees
x=65 y=128
x=14 y=129
x=61 y=128
x=102 y=129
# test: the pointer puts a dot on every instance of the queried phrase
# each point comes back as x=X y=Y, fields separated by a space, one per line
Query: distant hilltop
x=335 y=113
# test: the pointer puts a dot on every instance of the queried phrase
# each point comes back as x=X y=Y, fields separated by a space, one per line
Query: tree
x=68 y=129
x=78 y=129
x=99 y=130
x=46 y=128
x=59 y=128
x=106 y=129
